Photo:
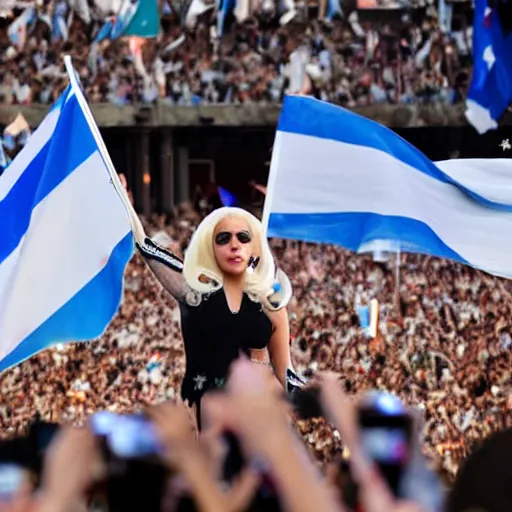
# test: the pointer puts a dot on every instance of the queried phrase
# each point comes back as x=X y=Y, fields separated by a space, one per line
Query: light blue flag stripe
x=105 y=31
x=336 y=177
x=36 y=182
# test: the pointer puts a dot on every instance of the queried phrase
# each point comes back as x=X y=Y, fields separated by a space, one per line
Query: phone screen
x=11 y=480
x=386 y=433
x=385 y=445
x=128 y=436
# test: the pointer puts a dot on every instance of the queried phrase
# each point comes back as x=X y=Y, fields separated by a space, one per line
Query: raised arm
x=168 y=269
x=166 y=266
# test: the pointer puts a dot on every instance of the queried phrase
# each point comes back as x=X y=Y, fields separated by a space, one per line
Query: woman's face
x=232 y=245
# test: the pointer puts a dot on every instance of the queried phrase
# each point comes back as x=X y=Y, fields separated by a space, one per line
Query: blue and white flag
x=135 y=18
x=339 y=178
x=17 y=30
x=59 y=24
x=490 y=92
x=65 y=237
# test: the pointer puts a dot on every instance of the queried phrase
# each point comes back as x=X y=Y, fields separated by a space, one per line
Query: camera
x=386 y=430
x=127 y=436
x=385 y=426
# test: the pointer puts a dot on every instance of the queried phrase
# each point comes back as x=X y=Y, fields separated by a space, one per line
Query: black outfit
x=214 y=337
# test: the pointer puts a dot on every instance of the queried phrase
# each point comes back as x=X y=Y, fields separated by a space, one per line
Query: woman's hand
x=374 y=493
x=69 y=468
x=122 y=178
x=252 y=407
x=183 y=452
x=176 y=429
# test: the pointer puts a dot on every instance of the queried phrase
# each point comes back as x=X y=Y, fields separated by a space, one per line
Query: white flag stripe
x=390 y=187
x=69 y=211
x=491 y=181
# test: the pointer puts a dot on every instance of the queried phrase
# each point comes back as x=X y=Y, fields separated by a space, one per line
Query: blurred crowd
x=411 y=52
x=444 y=345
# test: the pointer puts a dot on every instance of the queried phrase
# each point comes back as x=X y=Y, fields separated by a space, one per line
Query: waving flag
x=65 y=237
x=17 y=30
x=226 y=197
x=339 y=178
x=368 y=317
x=135 y=18
x=145 y=22
x=491 y=88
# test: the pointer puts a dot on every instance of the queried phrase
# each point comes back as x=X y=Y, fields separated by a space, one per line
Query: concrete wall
x=161 y=114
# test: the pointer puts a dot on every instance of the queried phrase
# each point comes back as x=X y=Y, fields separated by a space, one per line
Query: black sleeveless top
x=214 y=337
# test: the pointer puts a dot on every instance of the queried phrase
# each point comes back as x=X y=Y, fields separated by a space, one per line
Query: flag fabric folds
x=135 y=18
x=339 y=178
x=17 y=30
x=65 y=237
x=146 y=20
x=490 y=92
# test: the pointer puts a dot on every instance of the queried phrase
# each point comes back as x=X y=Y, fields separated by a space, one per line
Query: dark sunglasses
x=224 y=237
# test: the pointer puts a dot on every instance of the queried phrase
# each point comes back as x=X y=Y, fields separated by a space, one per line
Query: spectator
x=447 y=352
x=410 y=57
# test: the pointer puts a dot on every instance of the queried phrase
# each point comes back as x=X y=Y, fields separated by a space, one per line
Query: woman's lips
x=235 y=261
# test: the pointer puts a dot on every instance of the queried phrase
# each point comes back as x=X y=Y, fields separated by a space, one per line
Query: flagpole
x=137 y=227
x=397 y=281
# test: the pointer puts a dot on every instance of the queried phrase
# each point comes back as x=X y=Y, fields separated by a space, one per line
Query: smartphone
x=386 y=432
x=42 y=435
x=127 y=436
x=12 y=478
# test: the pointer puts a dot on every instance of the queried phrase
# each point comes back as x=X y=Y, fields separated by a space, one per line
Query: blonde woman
x=232 y=300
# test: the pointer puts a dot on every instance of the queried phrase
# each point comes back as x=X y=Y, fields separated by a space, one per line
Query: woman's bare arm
x=168 y=269
x=279 y=345
x=165 y=265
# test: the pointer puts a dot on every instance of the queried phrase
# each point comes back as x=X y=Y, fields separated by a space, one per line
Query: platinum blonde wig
x=200 y=262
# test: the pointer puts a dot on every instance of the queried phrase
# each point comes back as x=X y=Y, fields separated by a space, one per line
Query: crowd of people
x=444 y=345
x=340 y=54
x=444 y=337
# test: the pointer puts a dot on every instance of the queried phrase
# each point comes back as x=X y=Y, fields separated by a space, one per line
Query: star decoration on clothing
x=219 y=383
x=199 y=382
x=505 y=145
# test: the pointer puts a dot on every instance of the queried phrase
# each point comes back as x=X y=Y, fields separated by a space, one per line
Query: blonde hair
x=200 y=258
